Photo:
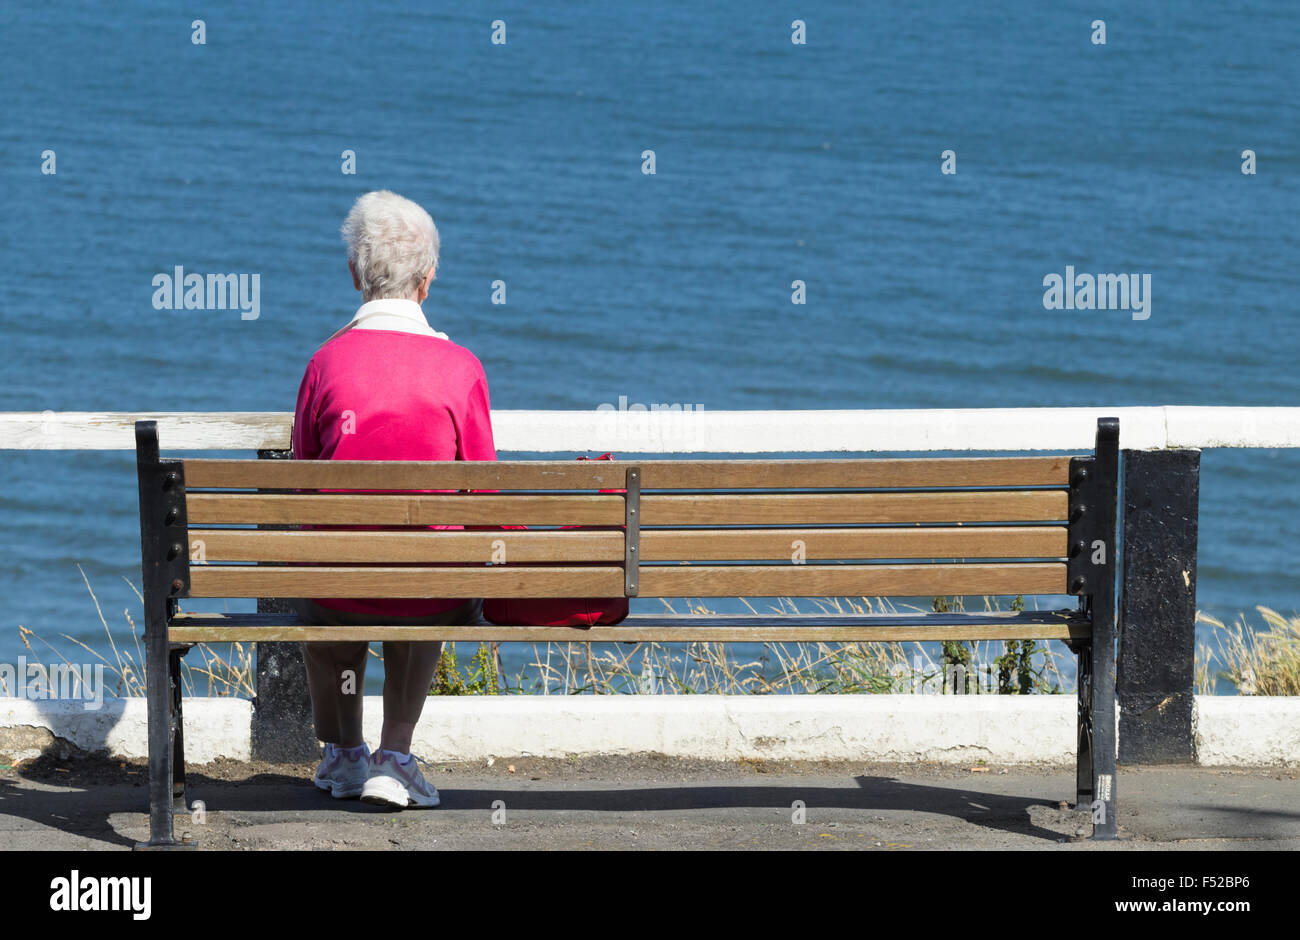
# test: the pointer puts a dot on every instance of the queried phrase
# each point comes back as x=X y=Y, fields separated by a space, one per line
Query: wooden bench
x=1000 y=526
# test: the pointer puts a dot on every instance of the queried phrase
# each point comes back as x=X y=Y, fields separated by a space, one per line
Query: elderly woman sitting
x=385 y=387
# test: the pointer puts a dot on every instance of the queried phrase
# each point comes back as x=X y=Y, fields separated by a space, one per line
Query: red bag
x=557 y=611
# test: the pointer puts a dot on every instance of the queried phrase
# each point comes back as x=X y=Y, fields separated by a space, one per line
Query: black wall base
x=282 y=729
x=1157 y=647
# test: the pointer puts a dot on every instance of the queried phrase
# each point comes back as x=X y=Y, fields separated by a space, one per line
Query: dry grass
x=213 y=675
x=708 y=668
x=1256 y=662
x=1266 y=662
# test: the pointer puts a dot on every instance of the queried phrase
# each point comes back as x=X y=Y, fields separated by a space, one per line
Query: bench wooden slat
x=608 y=509
x=383 y=582
x=655 y=580
x=851 y=580
x=218 y=545
x=854 y=543
x=656 y=474
x=405 y=474
x=854 y=508
x=855 y=474
x=403 y=509
x=1026 y=625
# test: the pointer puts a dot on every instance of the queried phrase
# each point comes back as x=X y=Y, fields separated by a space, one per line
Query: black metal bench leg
x=1105 y=825
x=164 y=567
x=1083 y=766
x=1093 y=574
x=178 y=732
x=1106 y=588
x=159 y=697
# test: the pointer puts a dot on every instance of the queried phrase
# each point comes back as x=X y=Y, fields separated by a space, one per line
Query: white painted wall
x=1261 y=730
x=902 y=728
x=214 y=727
x=1230 y=730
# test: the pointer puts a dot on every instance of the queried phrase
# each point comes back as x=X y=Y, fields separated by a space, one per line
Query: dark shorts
x=470 y=612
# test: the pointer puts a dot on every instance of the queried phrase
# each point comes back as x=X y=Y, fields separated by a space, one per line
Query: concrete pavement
x=654 y=802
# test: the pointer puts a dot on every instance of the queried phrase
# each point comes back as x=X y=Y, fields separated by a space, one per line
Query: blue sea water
x=775 y=162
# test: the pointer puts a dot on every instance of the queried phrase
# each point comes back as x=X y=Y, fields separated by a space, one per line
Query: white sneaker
x=397 y=785
x=343 y=775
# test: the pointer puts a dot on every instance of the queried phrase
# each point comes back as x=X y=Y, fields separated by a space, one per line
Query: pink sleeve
x=306 y=442
x=474 y=425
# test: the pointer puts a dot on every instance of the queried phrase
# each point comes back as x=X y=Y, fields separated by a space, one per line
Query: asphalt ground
x=72 y=801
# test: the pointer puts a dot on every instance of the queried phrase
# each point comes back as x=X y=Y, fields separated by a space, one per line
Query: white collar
x=391 y=313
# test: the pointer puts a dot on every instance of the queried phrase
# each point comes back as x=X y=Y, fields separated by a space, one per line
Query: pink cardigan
x=389 y=395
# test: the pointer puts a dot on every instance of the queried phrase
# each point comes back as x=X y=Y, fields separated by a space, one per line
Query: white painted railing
x=724 y=432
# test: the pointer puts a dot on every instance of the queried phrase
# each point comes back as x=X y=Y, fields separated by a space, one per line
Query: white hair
x=392 y=244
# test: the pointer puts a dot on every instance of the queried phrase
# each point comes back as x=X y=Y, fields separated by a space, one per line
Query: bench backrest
x=674 y=528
